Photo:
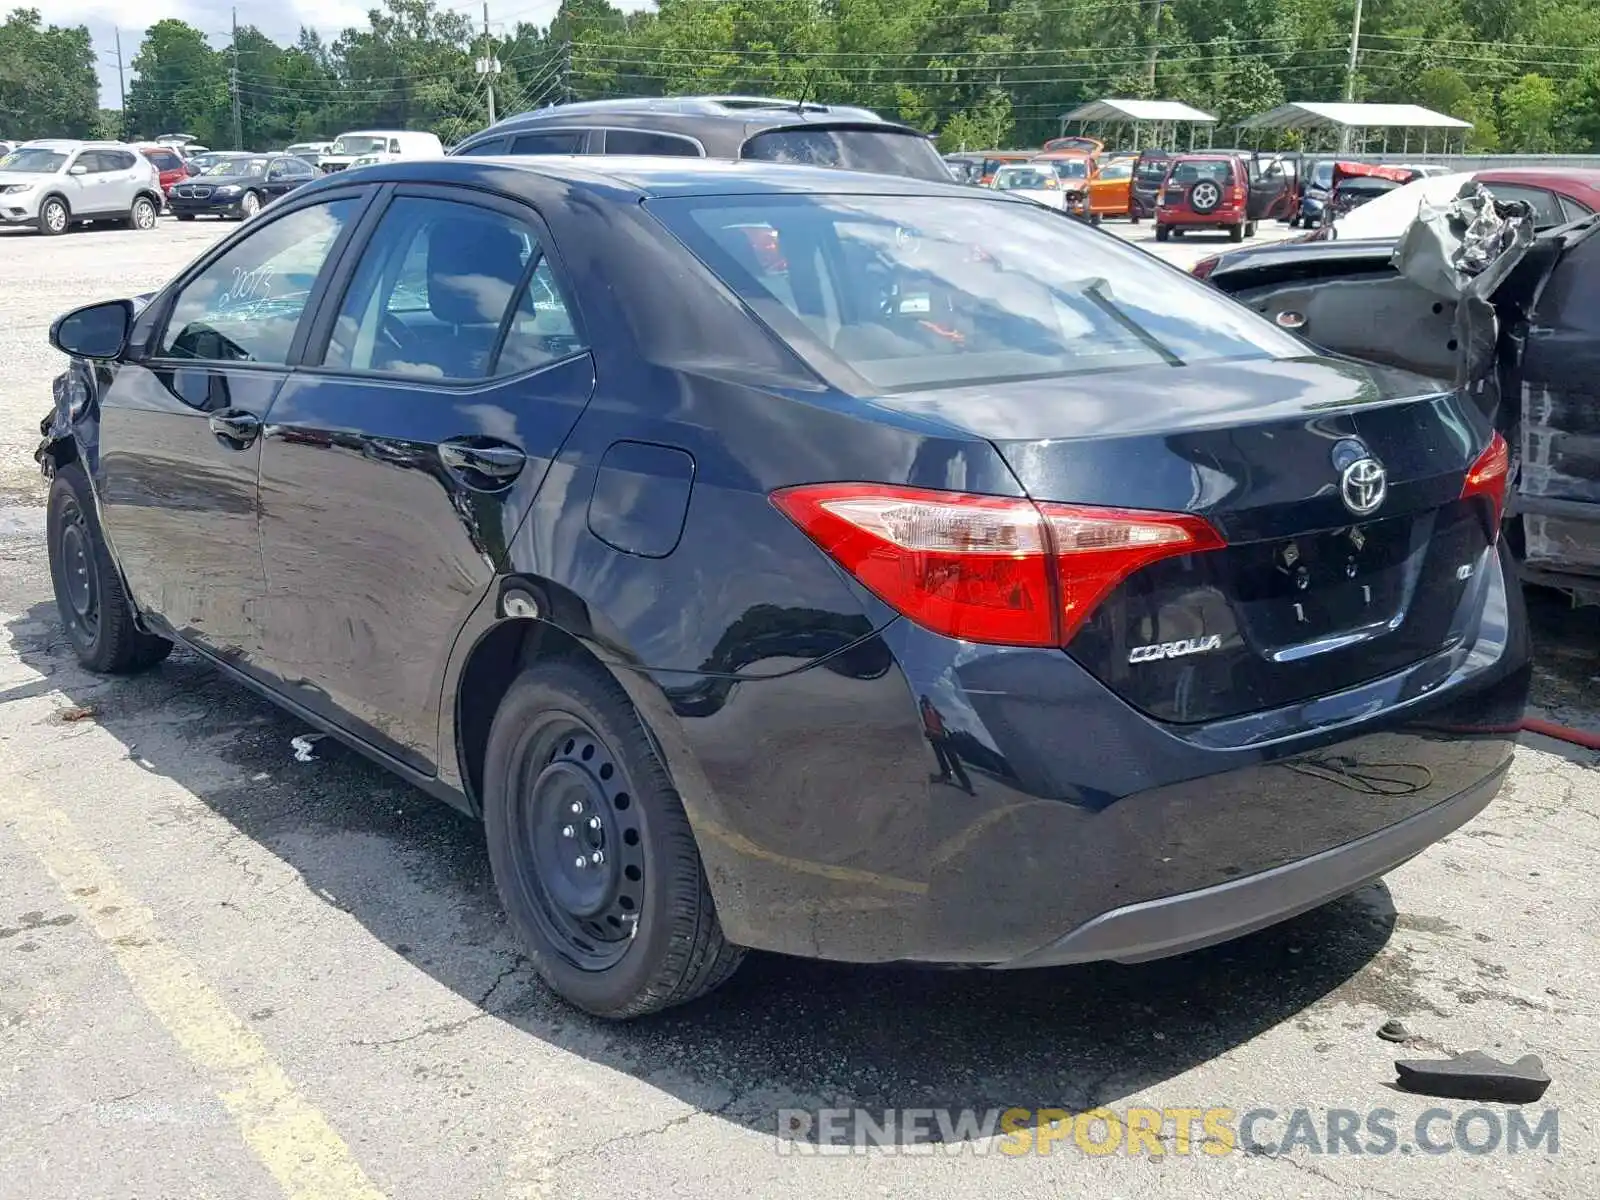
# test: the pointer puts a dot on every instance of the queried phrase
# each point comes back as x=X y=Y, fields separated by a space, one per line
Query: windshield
x=358 y=143
x=1012 y=178
x=881 y=151
x=252 y=168
x=922 y=291
x=1322 y=175
x=1070 y=168
x=33 y=162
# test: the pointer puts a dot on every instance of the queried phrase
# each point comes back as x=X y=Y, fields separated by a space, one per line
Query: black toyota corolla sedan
x=239 y=186
x=840 y=565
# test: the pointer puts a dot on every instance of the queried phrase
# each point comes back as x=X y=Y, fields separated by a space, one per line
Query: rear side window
x=882 y=151
x=548 y=143
x=926 y=292
x=640 y=141
x=1572 y=210
x=450 y=291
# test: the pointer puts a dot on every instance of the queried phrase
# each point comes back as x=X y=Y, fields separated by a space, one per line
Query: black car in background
x=905 y=574
x=239 y=186
x=759 y=128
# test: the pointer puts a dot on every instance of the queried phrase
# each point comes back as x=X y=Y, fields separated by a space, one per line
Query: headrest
x=473 y=267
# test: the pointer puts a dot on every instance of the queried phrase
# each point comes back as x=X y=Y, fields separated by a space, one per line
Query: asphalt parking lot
x=224 y=972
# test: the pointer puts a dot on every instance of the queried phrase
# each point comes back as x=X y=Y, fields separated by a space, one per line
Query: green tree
x=48 y=85
x=180 y=85
x=1529 y=111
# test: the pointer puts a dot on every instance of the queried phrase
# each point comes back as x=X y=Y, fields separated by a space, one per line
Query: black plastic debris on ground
x=1475 y=1076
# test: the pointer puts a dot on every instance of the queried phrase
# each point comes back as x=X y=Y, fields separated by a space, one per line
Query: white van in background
x=390 y=144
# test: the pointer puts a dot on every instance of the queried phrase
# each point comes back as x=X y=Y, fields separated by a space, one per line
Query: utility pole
x=488 y=65
x=233 y=85
x=1350 y=73
x=122 y=87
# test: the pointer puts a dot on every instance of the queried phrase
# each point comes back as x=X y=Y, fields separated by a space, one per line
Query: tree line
x=978 y=73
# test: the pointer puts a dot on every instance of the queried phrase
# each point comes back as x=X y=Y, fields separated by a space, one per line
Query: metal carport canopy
x=1316 y=115
x=1138 y=110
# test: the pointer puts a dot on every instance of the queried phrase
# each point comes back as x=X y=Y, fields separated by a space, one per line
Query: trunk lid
x=1311 y=594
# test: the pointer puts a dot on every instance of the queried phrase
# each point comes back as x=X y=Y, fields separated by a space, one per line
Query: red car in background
x=169 y=166
x=1205 y=191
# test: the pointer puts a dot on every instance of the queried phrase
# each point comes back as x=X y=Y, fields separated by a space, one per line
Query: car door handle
x=498 y=461
x=235 y=427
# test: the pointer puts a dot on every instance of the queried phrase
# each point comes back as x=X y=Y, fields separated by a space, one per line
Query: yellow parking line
x=291 y=1138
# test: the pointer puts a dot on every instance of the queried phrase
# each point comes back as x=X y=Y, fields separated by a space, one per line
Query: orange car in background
x=1093 y=147
x=1111 y=190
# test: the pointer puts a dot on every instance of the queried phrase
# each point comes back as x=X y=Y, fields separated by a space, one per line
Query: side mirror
x=94 y=331
x=77 y=169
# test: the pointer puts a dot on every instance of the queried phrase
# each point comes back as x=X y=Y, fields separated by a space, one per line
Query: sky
x=281 y=21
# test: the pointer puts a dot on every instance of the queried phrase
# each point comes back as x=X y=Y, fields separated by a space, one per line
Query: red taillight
x=1236 y=196
x=1205 y=266
x=986 y=568
x=1487 y=477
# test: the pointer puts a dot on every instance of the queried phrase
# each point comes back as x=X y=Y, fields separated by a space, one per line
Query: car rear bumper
x=1052 y=822
x=1192 y=920
x=1184 y=219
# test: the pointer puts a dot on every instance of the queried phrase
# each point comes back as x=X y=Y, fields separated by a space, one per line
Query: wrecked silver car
x=1476 y=294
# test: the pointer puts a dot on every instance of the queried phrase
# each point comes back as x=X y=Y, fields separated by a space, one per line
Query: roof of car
x=656 y=176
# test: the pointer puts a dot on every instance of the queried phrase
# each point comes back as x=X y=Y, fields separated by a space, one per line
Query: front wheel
x=53 y=217
x=591 y=851
x=94 y=608
x=249 y=206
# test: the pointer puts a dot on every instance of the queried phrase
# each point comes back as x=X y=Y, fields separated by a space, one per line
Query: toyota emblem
x=1363 y=485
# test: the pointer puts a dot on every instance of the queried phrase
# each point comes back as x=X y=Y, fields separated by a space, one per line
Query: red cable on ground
x=1562 y=733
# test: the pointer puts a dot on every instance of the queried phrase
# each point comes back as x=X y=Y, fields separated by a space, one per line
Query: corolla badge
x=1179 y=649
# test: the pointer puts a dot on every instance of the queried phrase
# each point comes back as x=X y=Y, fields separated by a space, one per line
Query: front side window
x=245 y=306
x=883 y=151
x=1117 y=170
x=917 y=292
x=450 y=291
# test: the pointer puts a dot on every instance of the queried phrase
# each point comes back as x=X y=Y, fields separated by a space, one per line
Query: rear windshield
x=879 y=150
x=923 y=291
x=1152 y=170
x=1195 y=169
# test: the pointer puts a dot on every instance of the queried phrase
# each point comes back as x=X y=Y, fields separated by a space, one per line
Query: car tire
x=1236 y=233
x=184 y=216
x=1133 y=218
x=94 y=608
x=54 y=216
x=1163 y=232
x=1250 y=229
x=570 y=773
x=143 y=215
x=249 y=205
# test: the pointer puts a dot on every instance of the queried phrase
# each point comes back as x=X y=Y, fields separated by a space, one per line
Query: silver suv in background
x=53 y=185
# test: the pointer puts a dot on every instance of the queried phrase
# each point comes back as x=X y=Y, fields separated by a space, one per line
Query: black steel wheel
x=94 y=608
x=580 y=843
x=591 y=850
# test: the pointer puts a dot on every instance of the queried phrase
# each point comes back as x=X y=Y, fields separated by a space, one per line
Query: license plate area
x=1298 y=590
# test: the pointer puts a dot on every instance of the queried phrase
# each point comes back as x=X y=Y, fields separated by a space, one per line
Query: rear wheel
x=1236 y=233
x=591 y=851
x=143 y=214
x=94 y=608
x=1249 y=229
x=185 y=216
x=1163 y=232
x=53 y=217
